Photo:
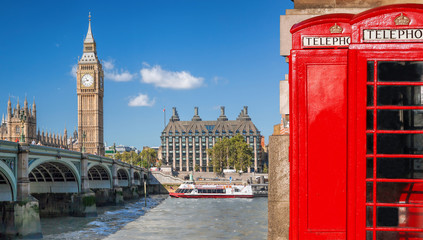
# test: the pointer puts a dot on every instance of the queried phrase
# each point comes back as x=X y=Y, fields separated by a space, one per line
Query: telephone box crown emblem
x=402 y=20
x=335 y=29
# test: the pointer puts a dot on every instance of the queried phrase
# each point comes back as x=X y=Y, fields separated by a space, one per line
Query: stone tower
x=12 y=127
x=90 y=91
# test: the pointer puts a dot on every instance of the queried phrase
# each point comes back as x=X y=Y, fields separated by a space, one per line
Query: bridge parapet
x=51 y=169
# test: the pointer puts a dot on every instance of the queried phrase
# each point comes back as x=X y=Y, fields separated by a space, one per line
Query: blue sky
x=156 y=54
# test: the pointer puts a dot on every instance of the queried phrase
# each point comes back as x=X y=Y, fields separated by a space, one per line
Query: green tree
x=149 y=155
x=233 y=152
x=220 y=154
x=118 y=156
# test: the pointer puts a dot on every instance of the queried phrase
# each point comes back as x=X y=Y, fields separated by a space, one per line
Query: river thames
x=167 y=218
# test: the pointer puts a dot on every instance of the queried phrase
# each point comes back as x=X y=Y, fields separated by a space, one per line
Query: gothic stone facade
x=16 y=118
x=185 y=143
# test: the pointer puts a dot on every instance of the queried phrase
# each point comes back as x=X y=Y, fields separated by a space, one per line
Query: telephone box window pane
x=400 y=119
x=369 y=119
x=369 y=143
x=400 y=143
x=400 y=168
x=399 y=192
x=369 y=95
x=398 y=235
x=369 y=216
x=369 y=192
x=387 y=216
x=400 y=71
x=370 y=71
x=369 y=168
x=399 y=95
x=369 y=235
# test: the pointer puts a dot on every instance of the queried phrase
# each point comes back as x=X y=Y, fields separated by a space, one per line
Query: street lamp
x=23 y=120
x=83 y=141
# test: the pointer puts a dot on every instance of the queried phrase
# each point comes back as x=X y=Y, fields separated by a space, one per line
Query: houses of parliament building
x=90 y=92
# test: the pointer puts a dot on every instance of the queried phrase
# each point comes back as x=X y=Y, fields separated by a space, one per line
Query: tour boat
x=191 y=190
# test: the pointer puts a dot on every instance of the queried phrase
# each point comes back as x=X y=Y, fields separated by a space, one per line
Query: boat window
x=189 y=190
x=236 y=190
x=214 y=191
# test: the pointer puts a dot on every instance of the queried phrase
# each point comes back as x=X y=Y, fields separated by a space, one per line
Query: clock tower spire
x=90 y=91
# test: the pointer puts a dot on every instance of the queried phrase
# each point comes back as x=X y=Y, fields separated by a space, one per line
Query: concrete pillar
x=248 y=142
x=132 y=180
x=180 y=154
x=255 y=155
x=200 y=141
x=85 y=186
x=193 y=153
x=167 y=150
x=23 y=191
x=278 y=197
x=187 y=153
x=174 y=150
x=118 y=191
x=115 y=177
x=207 y=154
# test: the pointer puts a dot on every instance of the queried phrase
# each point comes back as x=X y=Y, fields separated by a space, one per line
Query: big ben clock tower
x=90 y=91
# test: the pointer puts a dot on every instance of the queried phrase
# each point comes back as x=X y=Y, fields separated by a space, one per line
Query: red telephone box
x=356 y=149
x=318 y=149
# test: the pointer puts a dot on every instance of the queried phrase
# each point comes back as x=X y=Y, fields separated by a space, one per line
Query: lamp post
x=23 y=120
x=83 y=141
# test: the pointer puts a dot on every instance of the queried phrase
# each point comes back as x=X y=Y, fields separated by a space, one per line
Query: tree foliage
x=231 y=153
x=149 y=156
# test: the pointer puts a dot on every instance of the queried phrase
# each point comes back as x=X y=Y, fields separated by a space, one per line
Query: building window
x=18 y=129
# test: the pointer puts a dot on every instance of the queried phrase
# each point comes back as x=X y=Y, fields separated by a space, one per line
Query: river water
x=167 y=218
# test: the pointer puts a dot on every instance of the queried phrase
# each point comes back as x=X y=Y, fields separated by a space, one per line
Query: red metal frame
x=354 y=102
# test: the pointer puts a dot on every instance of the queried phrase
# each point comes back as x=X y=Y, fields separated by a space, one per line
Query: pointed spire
x=89 y=38
x=2 y=119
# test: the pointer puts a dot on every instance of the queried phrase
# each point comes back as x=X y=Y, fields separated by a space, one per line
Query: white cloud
x=110 y=73
x=108 y=65
x=119 y=76
x=142 y=100
x=73 y=70
x=167 y=79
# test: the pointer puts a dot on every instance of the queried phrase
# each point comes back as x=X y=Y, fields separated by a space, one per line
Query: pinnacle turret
x=26 y=106
x=222 y=116
x=9 y=110
x=196 y=116
x=175 y=116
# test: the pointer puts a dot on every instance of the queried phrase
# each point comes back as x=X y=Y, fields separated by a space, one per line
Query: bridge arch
x=123 y=177
x=99 y=176
x=7 y=183
x=51 y=175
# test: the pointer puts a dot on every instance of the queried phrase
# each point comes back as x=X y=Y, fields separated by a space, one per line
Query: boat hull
x=184 y=195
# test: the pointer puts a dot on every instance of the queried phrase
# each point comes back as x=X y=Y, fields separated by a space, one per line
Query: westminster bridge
x=43 y=181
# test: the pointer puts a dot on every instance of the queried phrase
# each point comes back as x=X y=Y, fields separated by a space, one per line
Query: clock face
x=87 y=80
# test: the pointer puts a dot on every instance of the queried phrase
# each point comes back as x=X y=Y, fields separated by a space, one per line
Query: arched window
x=18 y=130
